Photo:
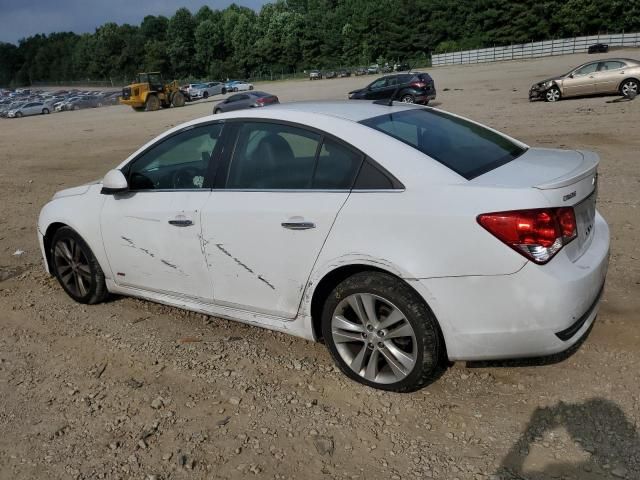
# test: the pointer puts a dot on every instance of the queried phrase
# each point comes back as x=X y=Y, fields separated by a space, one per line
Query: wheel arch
x=332 y=278
x=637 y=79
x=47 y=238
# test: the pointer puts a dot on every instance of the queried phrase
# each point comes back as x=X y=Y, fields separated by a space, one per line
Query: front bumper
x=536 y=93
x=539 y=310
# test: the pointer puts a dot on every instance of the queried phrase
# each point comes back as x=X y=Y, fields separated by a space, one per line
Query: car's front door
x=581 y=81
x=264 y=227
x=152 y=233
x=377 y=89
x=608 y=76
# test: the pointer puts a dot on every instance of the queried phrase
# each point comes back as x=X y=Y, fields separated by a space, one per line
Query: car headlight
x=547 y=84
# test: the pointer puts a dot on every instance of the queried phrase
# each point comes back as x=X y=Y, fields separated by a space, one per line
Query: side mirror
x=114 y=182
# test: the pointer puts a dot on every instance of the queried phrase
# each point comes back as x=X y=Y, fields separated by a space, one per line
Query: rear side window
x=272 y=156
x=465 y=147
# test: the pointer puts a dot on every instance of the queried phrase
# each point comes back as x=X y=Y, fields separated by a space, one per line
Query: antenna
x=389 y=103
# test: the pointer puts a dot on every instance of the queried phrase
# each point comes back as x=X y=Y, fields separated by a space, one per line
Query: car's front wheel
x=45 y=111
x=408 y=98
x=205 y=95
x=76 y=268
x=552 y=95
x=381 y=333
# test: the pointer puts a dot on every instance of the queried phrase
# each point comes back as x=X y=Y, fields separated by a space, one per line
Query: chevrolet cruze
x=401 y=236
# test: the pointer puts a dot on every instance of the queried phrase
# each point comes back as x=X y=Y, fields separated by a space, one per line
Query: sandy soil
x=131 y=389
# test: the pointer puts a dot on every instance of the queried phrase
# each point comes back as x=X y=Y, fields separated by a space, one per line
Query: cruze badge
x=569 y=196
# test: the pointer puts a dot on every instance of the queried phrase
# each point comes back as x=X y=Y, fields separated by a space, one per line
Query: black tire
x=224 y=91
x=152 y=104
x=429 y=347
x=552 y=94
x=18 y=114
x=96 y=290
x=45 y=111
x=205 y=95
x=178 y=100
x=251 y=87
x=217 y=111
x=629 y=88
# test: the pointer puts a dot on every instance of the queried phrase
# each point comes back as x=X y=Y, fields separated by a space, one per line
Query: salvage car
x=288 y=218
x=245 y=100
x=205 y=90
x=28 y=109
x=611 y=76
x=238 y=86
x=405 y=87
x=598 y=48
x=315 y=75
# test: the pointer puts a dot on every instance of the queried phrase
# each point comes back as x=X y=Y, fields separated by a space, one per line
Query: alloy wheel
x=407 y=99
x=374 y=338
x=552 y=95
x=72 y=266
x=629 y=88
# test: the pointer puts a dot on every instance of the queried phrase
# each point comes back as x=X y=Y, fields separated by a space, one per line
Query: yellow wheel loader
x=150 y=93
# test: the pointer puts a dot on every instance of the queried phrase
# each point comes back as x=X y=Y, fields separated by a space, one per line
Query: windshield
x=463 y=146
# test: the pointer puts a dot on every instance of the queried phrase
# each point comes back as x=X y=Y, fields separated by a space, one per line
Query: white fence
x=536 y=49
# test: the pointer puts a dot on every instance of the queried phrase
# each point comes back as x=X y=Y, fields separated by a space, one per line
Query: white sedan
x=239 y=86
x=399 y=235
x=28 y=109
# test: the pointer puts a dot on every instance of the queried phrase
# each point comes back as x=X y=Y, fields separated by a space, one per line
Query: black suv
x=411 y=88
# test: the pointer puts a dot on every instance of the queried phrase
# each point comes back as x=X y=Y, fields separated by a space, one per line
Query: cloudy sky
x=21 y=18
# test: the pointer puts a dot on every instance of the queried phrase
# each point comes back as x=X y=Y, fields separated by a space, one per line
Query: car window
x=392 y=81
x=463 y=146
x=590 y=68
x=235 y=98
x=380 y=83
x=272 y=156
x=336 y=167
x=178 y=162
x=610 y=65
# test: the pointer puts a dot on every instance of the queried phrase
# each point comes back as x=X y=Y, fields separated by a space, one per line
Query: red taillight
x=418 y=84
x=538 y=234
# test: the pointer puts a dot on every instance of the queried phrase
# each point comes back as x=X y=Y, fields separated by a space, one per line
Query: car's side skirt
x=300 y=326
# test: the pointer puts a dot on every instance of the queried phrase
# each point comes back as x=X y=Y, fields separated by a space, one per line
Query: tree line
x=291 y=35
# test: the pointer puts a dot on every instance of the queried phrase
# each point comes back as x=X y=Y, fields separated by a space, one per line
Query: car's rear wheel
x=251 y=87
x=205 y=95
x=45 y=111
x=630 y=88
x=381 y=333
x=178 y=99
x=408 y=98
x=18 y=114
x=76 y=268
x=217 y=111
x=552 y=95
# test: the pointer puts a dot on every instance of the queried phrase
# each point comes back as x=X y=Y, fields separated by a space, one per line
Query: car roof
x=353 y=110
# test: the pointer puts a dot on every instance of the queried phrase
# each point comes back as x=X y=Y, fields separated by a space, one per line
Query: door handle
x=181 y=223
x=298 y=225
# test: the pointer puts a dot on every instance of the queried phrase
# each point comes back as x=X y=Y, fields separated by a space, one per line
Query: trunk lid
x=566 y=178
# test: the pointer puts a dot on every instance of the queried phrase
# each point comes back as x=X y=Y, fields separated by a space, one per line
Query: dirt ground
x=131 y=389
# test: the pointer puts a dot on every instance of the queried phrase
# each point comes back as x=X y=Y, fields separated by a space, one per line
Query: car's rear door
x=608 y=76
x=151 y=234
x=274 y=204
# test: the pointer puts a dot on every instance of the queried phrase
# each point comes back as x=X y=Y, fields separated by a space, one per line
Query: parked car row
x=370 y=70
x=27 y=102
x=198 y=91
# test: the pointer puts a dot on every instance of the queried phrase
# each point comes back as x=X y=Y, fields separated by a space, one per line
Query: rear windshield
x=466 y=148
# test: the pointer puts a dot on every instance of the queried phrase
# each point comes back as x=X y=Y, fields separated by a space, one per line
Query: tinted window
x=463 y=146
x=381 y=83
x=179 y=162
x=273 y=156
x=337 y=166
x=236 y=98
x=371 y=177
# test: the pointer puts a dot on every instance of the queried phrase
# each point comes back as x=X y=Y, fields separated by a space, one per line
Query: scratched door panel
x=146 y=251
x=257 y=263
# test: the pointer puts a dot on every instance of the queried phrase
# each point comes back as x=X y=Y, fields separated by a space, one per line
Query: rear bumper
x=539 y=310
